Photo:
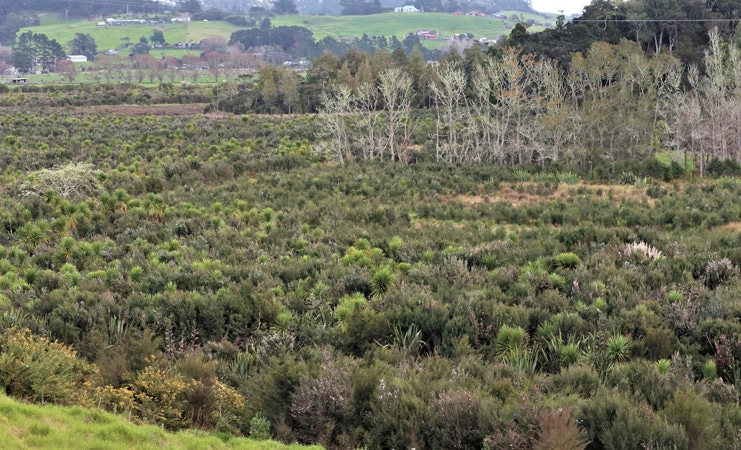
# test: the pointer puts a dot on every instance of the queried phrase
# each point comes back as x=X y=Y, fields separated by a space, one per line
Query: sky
x=568 y=6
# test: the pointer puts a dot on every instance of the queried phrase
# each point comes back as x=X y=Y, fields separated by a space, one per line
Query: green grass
x=666 y=158
x=388 y=24
x=26 y=426
x=115 y=37
x=47 y=19
x=540 y=17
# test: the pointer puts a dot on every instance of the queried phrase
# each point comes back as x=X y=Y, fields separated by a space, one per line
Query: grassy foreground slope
x=32 y=426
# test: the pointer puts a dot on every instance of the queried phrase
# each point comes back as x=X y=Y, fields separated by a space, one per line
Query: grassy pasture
x=388 y=24
x=391 y=24
x=116 y=37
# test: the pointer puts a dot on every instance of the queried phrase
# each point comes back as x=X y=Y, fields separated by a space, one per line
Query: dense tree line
x=677 y=27
x=360 y=7
x=299 y=42
x=285 y=37
x=561 y=106
x=10 y=23
x=527 y=110
x=615 y=102
x=34 y=49
x=84 y=44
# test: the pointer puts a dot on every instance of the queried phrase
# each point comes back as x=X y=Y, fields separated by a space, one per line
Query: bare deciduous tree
x=705 y=120
x=67 y=69
x=395 y=87
x=449 y=97
x=335 y=108
x=372 y=142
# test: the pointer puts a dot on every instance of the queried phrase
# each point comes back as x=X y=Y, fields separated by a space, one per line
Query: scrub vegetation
x=220 y=273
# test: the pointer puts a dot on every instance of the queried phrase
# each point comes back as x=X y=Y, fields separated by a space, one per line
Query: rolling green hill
x=32 y=426
x=116 y=37
x=388 y=24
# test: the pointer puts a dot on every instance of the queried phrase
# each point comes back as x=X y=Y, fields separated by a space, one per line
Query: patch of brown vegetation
x=418 y=224
x=518 y=194
x=18 y=433
x=622 y=192
x=176 y=110
x=733 y=227
x=468 y=200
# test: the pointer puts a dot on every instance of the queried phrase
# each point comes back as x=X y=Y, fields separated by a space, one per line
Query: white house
x=182 y=19
x=406 y=9
x=77 y=58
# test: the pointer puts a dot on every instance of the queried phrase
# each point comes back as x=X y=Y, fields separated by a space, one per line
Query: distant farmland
x=117 y=36
x=400 y=25
x=342 y=27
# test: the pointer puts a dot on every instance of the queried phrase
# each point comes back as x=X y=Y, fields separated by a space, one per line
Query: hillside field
x=343 y=27
x=400 y=25
x=116 y=37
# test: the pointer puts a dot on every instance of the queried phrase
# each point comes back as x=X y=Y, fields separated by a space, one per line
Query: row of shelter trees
x=616 y=102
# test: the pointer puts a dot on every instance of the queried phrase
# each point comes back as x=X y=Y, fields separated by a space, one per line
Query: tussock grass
x=27 y=426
